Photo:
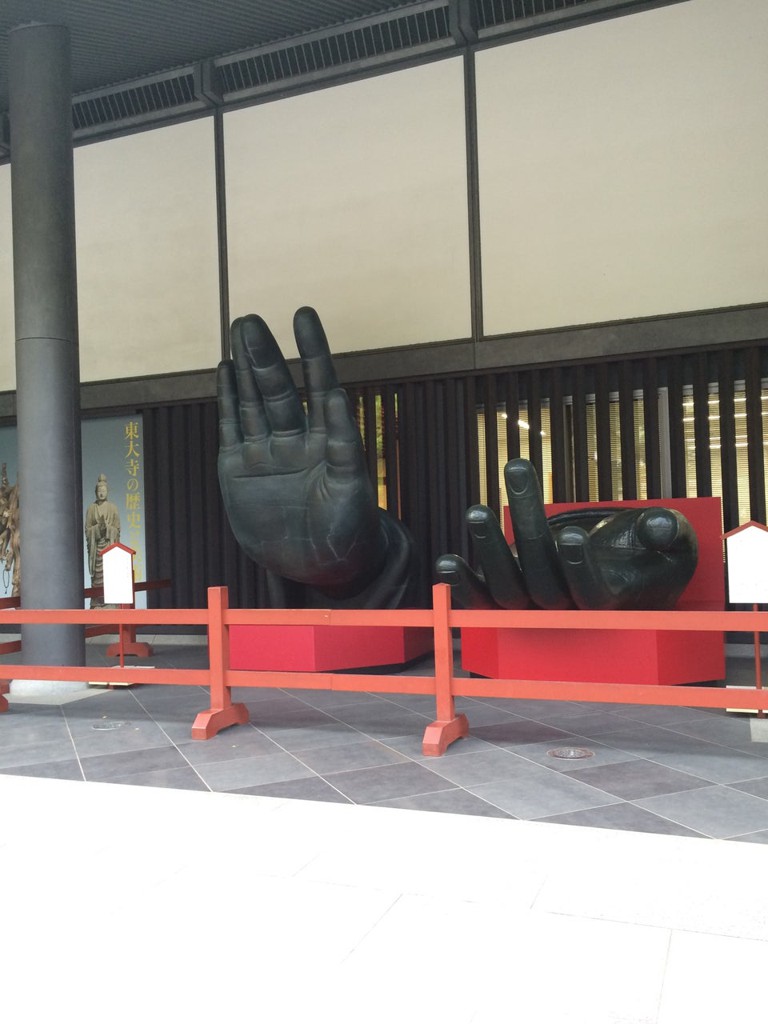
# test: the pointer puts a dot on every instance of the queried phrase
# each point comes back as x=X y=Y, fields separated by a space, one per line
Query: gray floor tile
x=639 y=738
x=526 y=708
x=661 y=714
x=305 y=737
x=177 y=725
x=130 y=734
x=603 y=705
x=518 y=732
x=180 y=705
x=256 y=694
x=595 y=727
x=252 y=771
x=537 y=792
x=733 y=731
x=717 y=811
x=422 y=703
x=349 y=756
x=474 y=768
x=154 y=693
x=109 y=704
x=757 y=787
x=542 y=753
x=49 y=770
x=686 y=753
x=632 y=780
x=626 y=817
x=381 y=720
x=104 y=767
x=277 y=709
x=311 y=788
x=489 y=716
x=331 y=699
x=717 y=764
x=448 y=801
x=32 y=713
x=229 y=745
x=586 y=724
x=170 y=778
x=30 y=733
x=36 y=753
x=371 y=785
x=412 y=746
x=752 y=837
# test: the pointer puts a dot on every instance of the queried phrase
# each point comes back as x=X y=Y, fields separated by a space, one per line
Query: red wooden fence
x=443 y=684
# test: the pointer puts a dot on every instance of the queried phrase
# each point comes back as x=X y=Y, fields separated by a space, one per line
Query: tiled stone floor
x=318 y=884
x=677 y=771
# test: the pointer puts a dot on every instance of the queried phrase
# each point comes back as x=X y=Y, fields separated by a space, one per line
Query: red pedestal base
x=324 y=648
x=594 y=656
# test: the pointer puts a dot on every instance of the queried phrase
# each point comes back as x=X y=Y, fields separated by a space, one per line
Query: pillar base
x=57 y=689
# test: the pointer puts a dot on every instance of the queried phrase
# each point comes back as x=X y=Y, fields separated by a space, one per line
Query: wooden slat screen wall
x=561 y=489
x=188 y=536
x=676 y=431
x=755 y=452
x=581 y=453
x=701 y=378
x=429 y=442
x=627 y=432
x=650 y=388
x=603 y=430
x=725 y=379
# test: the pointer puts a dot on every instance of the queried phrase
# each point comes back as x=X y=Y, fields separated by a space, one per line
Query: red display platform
x=324 y=648
x=616 y=656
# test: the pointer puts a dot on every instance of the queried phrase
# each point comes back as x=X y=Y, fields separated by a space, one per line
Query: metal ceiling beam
x=405 y=35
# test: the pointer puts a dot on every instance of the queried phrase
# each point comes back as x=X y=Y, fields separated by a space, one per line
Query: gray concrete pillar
x=47 y=359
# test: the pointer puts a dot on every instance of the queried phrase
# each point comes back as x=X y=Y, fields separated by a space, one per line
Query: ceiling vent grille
x=491 y=13
x=135 y=102
x=425 y=28
x=367 y=42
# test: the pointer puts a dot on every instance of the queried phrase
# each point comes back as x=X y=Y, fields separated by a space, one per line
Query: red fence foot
x=208 y=723
x=5 y=687
x=438 y=736
x=137 y=649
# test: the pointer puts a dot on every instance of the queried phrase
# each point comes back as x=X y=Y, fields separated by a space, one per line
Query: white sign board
x=117 y=561
x=747 y=557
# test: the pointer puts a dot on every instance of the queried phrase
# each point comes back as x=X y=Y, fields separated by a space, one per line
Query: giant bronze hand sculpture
x=595 y=558
x=295 y=484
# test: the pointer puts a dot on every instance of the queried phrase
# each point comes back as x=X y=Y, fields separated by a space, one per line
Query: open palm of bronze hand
x=294 y=482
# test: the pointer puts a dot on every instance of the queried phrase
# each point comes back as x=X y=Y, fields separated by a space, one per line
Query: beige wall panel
x=7 y=328
x=147 y=253
x=623 y=167
x=353 y=200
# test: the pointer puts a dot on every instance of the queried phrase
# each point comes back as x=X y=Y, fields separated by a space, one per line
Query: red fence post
x=222 y=712
x=448 y=726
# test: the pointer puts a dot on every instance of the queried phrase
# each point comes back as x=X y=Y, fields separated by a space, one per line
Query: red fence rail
x=443 y=684
x=128 y=633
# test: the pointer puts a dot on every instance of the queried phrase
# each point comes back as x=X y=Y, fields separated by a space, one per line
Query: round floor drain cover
x=107 y=726
x=571 y=753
